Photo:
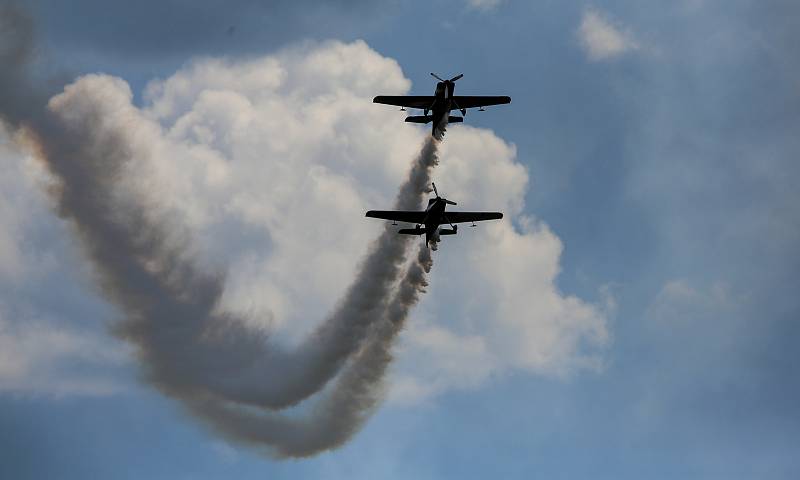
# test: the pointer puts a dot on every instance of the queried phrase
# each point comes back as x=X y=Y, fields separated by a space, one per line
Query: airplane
x=440 y=104
x=429 y=220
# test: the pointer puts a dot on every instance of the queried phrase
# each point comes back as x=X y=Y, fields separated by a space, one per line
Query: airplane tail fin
x=419 y=118
x=455 y=119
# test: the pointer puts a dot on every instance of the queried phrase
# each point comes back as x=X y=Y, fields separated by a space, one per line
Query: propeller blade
x=449 y=202
x=437 y=77
x=434 y=189
x=456 y=77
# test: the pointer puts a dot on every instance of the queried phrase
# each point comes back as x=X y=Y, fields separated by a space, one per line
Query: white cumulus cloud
x=601 y=38
x=274 y=178
x=270 y=164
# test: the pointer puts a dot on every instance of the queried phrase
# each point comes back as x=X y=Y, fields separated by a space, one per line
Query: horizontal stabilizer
x=455 y=119
x=419 y=118
x=411 y=231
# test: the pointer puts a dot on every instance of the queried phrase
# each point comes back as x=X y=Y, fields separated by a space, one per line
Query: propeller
x=437 y=77
x=449 y=202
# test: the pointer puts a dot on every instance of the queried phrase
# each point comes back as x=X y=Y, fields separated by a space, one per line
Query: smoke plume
x=344 y=408
x=230 y=375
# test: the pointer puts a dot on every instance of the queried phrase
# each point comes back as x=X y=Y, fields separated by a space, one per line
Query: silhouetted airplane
x=428 y=220
x=440 y=104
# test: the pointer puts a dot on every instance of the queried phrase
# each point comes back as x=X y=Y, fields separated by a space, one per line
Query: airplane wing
x=478 y=101
x=398 y=215
x=410 y=101
x=462 y=217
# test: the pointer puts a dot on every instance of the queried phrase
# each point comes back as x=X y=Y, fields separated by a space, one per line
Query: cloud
x=484 y=5
x=494 y=304
x=20 y=208
x=601 y=39
x=436 y=359
x=678 y=304
x=270 y=163
x=267 y=173
x=94 y=141
x=40 y=357
x=282 y=165
x=41 y=351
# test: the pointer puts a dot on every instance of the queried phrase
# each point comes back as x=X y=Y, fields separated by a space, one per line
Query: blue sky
x=666 y=165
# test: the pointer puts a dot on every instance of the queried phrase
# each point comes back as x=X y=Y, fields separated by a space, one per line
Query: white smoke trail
x=323 y=353
x=346 y=406
x=206 y=359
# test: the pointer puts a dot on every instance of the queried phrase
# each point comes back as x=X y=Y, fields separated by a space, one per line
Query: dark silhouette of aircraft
x=440 y=104
x=428 y=220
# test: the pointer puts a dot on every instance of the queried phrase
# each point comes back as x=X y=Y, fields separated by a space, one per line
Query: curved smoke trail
x=346 y=406
x=208 y=360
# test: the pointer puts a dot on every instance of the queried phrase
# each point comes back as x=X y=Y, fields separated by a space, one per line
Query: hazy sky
x=635 y=315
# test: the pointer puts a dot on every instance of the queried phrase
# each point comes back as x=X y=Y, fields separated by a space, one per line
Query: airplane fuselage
x=434 y=217
x=442 y=104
